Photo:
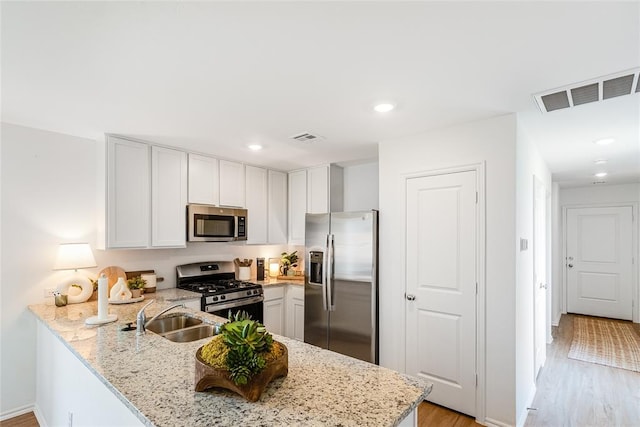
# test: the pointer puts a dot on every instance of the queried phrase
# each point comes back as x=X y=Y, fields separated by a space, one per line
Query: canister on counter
x=260 y=269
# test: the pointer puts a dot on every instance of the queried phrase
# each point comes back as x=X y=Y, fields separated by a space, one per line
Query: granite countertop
x=277 y=282
x=154 y=377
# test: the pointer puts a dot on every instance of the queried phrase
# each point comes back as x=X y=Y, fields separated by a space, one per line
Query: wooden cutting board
x=113 y=273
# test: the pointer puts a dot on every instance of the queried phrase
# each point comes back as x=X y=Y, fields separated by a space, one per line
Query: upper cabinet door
x=204 y=183
x=256 y=186
x=297 y=206
x=128 y=209
x=232 y=188
x=168 y=197
x=277 y=207
x=318 y=190
x=325 y=189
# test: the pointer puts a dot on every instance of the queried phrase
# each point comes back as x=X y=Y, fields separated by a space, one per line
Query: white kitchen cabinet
x=68 y=393
x=232 y=188
x=204 y=181
x=168 y=197
x=256 y=204
x=277 y=208
x=124 y=211
x=274 y=310
x=297 y=198
x=295 y=312
x=325 y=189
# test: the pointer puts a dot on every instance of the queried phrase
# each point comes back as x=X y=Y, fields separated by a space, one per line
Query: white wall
x=492 y=141
x=48 y=185
x=529 y=163
x=597 y=195
x=361 y=187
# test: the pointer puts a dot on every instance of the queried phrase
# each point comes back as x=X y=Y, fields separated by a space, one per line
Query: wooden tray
x=207 y=377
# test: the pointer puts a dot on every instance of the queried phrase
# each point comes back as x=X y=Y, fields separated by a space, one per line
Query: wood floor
x=430 y=415
x=576 y=393
x=26 y=420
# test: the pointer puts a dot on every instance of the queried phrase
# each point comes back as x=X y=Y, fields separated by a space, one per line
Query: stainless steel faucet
x=141 y=318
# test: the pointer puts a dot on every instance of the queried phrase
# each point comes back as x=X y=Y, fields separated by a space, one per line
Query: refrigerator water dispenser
x=315 y=267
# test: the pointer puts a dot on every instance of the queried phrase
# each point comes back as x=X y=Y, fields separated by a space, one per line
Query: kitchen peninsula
x=152 y=379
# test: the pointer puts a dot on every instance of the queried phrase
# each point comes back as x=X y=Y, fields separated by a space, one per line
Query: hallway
x=575 y=393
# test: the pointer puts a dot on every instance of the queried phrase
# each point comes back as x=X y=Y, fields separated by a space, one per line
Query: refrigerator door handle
x=325 y=257
x=330 y=281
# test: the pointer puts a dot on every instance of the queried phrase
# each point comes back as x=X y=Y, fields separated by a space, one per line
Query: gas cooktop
x=218 y=286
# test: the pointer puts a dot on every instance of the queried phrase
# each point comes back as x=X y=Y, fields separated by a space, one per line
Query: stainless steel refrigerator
x=341 y=283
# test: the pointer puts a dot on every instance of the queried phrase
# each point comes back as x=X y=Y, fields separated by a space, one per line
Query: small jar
x=60 y=300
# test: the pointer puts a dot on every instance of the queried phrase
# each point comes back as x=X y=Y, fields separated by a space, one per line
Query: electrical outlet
x=48 y=293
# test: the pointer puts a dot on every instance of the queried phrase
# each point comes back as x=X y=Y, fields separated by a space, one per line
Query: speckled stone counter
x=278 y=282
x=154 y=377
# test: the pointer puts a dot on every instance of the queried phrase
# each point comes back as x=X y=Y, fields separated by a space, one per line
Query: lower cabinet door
x=274 y=316
x=295 y=312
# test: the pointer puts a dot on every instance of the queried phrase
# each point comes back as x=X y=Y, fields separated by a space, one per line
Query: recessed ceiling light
x=600 y=175
x=255 y=147
x=604 y=141
x=384 y=108
x=600 y=161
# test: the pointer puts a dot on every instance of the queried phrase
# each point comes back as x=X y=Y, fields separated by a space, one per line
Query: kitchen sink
x=172 y=322
x=192 y=333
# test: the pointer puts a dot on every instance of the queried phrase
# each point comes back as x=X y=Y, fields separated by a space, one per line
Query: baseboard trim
x=39 y=416
x=495 y=423
x=16 y=412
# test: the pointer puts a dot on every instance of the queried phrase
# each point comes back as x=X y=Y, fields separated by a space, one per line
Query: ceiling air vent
x=619 y=84
x=306 y=137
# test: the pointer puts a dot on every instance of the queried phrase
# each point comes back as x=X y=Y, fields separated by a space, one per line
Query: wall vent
x=607 y=87
x=307 y=137
x=599 y=182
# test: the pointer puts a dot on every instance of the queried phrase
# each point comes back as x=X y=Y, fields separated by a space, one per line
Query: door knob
x=411 y=297
x=570 y=265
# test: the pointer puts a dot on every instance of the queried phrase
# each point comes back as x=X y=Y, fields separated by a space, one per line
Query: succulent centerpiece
x=243 y=358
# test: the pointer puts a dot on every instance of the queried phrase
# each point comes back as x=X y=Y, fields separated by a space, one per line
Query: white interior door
x=539 y=273
x=441 y=286
x=599 y=262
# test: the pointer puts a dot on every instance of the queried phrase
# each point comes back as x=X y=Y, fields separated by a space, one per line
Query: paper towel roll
x=103 y=297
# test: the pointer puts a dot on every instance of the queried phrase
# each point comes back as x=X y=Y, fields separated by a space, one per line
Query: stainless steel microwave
x=206 y=223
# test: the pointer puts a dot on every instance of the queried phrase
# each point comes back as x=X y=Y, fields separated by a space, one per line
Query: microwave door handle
x=235 y=227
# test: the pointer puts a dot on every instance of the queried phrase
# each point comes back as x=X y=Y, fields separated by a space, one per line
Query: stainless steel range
x=221 y=293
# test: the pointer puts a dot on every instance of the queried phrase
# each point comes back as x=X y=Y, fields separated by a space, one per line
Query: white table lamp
x=73 y=256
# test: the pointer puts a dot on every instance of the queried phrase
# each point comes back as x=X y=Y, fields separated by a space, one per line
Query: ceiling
x=214 y=77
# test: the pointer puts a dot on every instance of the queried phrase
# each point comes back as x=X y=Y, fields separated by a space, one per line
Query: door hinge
x=477 y=197
x=476 y=288
x=476 y=380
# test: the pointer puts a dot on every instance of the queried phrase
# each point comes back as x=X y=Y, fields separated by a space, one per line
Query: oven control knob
x=248 y=292
x=255 y=292
x=215 y=298
x=222 y=297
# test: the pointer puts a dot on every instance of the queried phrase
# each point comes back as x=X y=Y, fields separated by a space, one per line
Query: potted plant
x=243 y=358
x=288 y=261
x=136 y=284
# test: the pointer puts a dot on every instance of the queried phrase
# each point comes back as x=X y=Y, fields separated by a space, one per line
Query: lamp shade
x=72 y=256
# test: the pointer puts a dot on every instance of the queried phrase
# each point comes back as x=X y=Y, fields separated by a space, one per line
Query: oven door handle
x=235 y=303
